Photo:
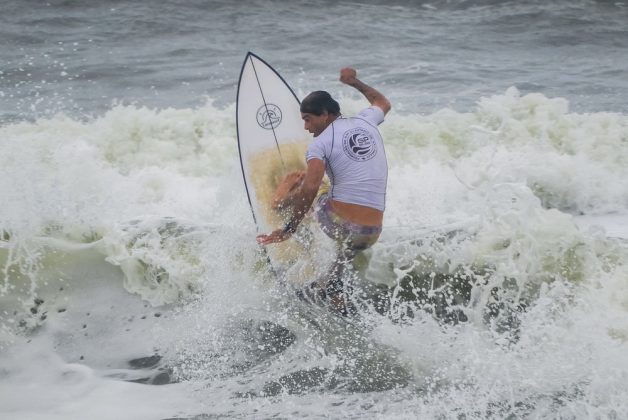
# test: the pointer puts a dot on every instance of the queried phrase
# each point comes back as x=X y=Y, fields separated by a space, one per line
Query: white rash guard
x=355 y=161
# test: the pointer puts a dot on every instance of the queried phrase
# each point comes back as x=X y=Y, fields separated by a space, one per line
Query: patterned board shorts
x=352 y=236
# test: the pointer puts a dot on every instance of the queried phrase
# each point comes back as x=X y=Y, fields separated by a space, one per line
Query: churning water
x=131 y=285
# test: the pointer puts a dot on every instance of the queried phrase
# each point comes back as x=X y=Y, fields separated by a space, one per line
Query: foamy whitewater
x=131 y=285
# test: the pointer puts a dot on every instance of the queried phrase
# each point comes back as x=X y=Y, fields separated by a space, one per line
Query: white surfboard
x=272 y=143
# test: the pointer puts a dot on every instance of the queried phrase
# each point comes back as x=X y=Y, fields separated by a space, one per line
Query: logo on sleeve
x=359 y=145
x=269 y=116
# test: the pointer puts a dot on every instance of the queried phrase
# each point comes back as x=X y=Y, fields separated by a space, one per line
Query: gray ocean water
x=68 y=56
x=131 y=286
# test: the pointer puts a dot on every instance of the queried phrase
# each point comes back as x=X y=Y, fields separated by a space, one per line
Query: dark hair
x=318 y=102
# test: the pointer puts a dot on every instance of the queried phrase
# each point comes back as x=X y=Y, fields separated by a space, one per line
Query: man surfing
x=351 y=152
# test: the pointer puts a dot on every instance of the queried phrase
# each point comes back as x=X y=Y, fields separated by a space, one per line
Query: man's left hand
x=275 y=236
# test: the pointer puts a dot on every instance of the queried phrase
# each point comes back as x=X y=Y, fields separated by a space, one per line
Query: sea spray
x=118 y=247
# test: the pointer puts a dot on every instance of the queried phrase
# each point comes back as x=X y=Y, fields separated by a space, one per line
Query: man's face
x=315 y=124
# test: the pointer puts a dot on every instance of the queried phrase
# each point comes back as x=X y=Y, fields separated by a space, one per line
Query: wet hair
x=318 y=102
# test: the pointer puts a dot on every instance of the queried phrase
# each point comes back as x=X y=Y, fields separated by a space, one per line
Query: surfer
x=351 y=152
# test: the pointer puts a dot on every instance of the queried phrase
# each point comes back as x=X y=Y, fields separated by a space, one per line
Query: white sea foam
x=129 y=235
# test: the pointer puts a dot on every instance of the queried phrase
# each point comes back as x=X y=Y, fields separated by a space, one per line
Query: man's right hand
x=348 y=76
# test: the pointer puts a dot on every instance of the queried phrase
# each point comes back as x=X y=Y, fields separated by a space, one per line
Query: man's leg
x=330 y=286
x=286 y=190
x=337 y=279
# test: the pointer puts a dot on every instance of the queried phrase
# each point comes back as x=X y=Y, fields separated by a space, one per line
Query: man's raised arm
x=348 y=77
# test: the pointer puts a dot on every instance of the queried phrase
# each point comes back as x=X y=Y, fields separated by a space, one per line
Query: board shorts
x=352 y=236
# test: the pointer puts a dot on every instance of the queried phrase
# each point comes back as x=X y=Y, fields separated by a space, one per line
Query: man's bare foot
x=337 y=302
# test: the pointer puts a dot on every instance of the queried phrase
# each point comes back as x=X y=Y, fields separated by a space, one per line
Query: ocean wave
x=127 y=249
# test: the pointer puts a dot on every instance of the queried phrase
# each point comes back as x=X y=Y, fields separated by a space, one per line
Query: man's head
x=318 y=110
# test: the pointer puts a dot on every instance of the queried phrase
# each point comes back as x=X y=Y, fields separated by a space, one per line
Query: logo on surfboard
x=269 y=116
x=359 y=145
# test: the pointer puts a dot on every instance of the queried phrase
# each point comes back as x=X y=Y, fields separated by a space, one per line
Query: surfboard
x=271 y=143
